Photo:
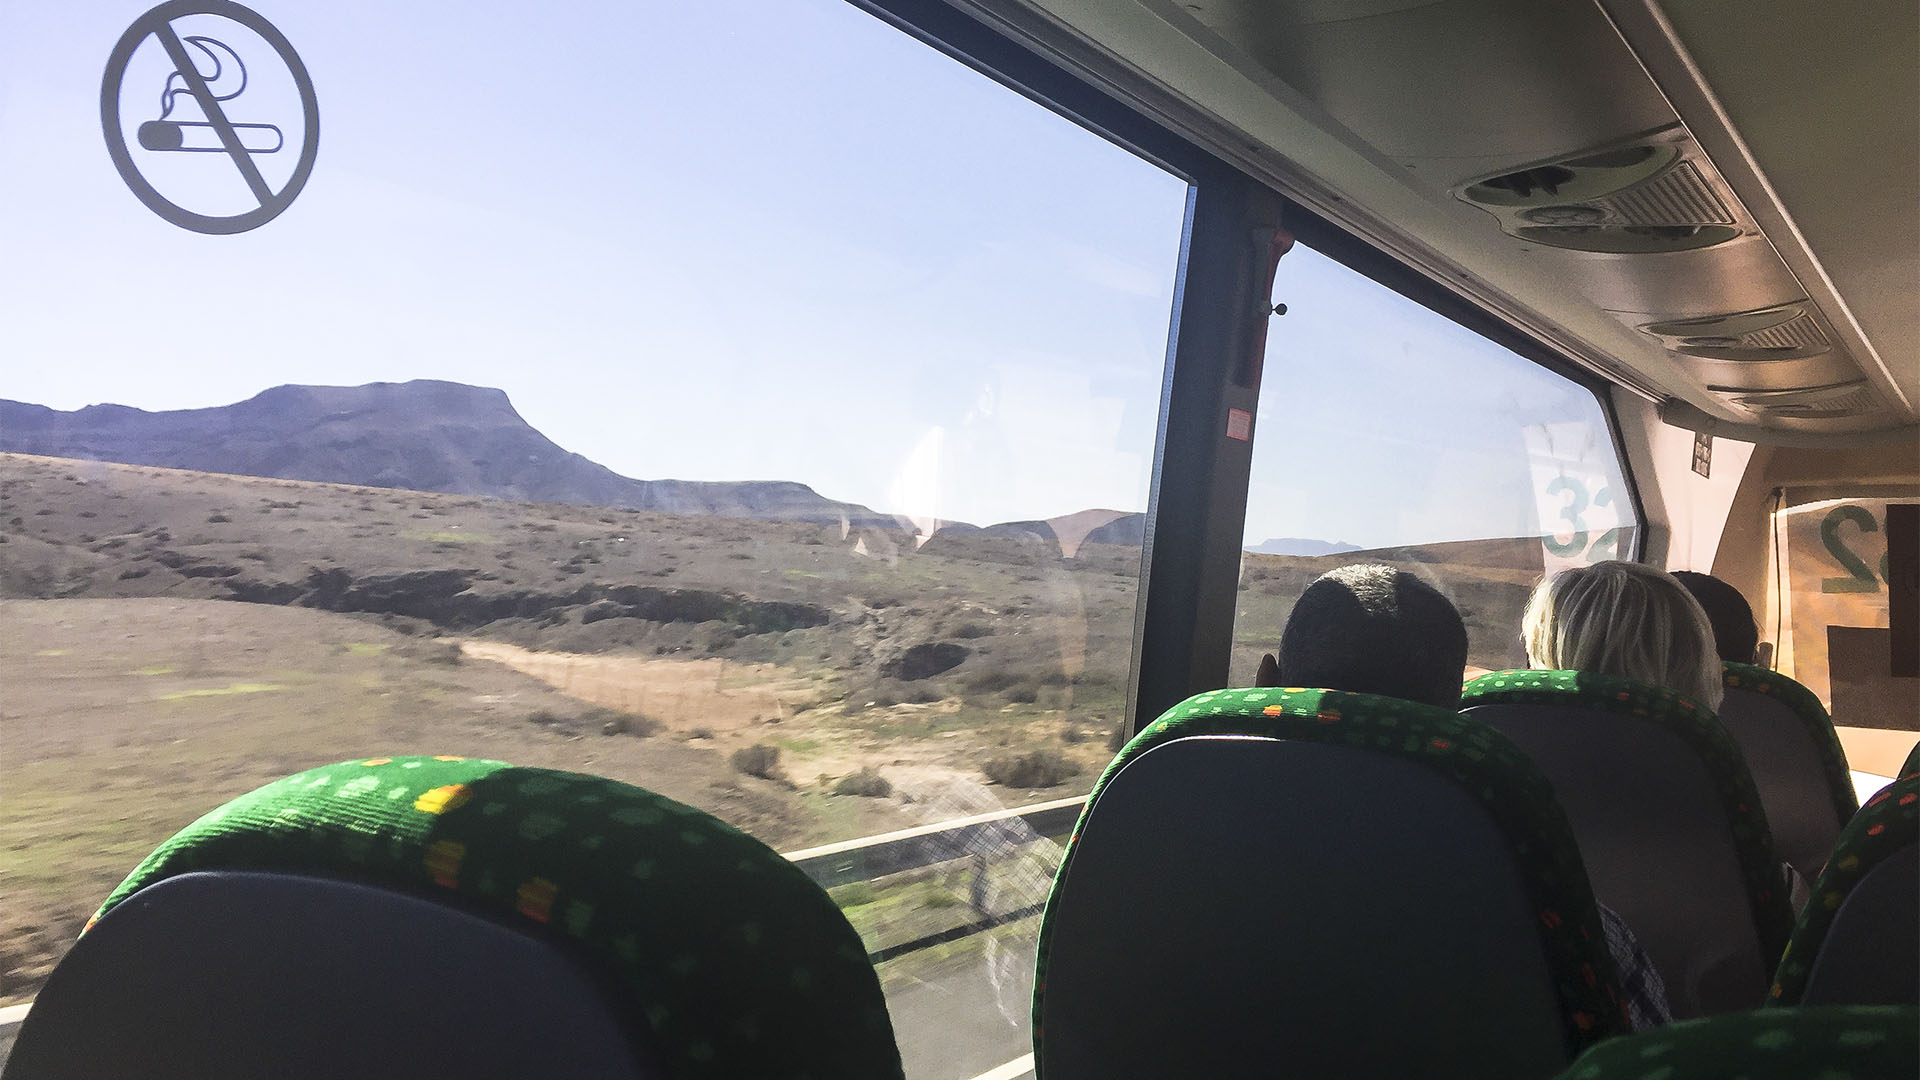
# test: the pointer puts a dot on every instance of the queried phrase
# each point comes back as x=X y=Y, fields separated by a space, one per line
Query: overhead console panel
x=1547 y=163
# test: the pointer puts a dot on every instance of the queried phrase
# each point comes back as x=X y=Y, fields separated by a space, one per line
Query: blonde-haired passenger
x=1625 y=619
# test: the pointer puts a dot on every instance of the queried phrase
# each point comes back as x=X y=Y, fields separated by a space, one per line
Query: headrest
x=732 y=961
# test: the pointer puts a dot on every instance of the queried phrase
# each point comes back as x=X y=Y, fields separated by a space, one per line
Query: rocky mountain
x=424 y=435
x=1293 y=545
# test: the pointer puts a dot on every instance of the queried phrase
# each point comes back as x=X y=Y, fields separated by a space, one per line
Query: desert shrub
x=1034 y=769
x=444 y=653
x=760 y=759
x=700 y=733
x=992 y=680
x=543 y=718
x=1023 y=693
x=216 y=519
x=1118 y=737
x=617 y=722
x=867 y=782
x=1071 y=734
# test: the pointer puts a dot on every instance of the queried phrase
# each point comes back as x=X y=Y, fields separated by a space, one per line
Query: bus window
x=745 y=401
x=1387 y=433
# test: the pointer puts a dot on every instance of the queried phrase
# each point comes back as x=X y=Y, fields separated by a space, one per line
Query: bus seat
x=1912 y=765
x=441 y=916
x=1858 y=938
x=1323 y=883
x=1835 y=1041
x=1795 y=759
x=1670 y=826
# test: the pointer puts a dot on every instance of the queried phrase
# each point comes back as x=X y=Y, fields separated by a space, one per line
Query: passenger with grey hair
x=1625 y=619
x=1372 y=629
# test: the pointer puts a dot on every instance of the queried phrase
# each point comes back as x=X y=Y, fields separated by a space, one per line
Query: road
x=955 y=1025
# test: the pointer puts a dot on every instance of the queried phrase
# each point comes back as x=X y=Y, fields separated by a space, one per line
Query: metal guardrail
x=975 y=838
x=910 y=849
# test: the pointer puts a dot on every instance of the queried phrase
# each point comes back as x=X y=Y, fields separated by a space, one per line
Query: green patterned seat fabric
x=1912 y=765
x=1829 y=1042
x=1805 y=705
x=731 y=961
x=1888 y=822
x=1753 y=841
x=1482 y=761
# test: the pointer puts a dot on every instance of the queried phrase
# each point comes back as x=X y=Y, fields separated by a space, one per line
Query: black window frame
x=1196 y=510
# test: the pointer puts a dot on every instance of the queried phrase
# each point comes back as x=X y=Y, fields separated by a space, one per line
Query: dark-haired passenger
x=1372 y=629
x=1736 y=636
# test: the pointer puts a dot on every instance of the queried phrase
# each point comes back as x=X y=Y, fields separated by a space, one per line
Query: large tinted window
x=1390 y=434
x=738 y=399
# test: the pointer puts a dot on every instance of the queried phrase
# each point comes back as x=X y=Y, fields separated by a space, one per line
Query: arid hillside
x=174 y=638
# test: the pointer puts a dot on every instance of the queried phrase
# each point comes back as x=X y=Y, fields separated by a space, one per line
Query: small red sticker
x=1240 y=425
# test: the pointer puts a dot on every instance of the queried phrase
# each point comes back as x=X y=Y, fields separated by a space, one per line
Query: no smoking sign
x=209 y=115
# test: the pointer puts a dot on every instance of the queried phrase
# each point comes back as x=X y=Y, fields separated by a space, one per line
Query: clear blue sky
x=729 y=240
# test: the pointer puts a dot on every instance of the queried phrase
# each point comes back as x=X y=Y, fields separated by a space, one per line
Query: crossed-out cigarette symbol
x=208 y=72
x=227 y=80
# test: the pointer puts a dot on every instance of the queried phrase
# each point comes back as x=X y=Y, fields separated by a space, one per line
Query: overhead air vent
x=1676 y=197
x=1783 y=332
x=1805 y=402
x=1574 y=180
x=1628 y=239
x=1634 y=200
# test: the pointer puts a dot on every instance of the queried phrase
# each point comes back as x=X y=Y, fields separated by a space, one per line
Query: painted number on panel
x=1573 y=512
x=1859 y=576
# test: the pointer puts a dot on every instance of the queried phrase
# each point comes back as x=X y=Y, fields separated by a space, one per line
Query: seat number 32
x=1575 y=505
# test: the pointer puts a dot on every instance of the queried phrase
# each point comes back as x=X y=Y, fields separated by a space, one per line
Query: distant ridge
x=1294 y=545
x=424 y=435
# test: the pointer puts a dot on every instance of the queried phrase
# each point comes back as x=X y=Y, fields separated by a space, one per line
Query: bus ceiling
x=1708 y=205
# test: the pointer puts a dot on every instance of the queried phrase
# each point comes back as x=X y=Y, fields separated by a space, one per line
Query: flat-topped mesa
x=424 y=435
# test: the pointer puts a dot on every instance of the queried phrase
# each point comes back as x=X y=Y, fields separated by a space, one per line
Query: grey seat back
x=233 y=976
x=1858 y=937
x=1795 y=759
x=1872 y=952
x=1320 y=897
x=1236 y=901
x=1669 y=825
